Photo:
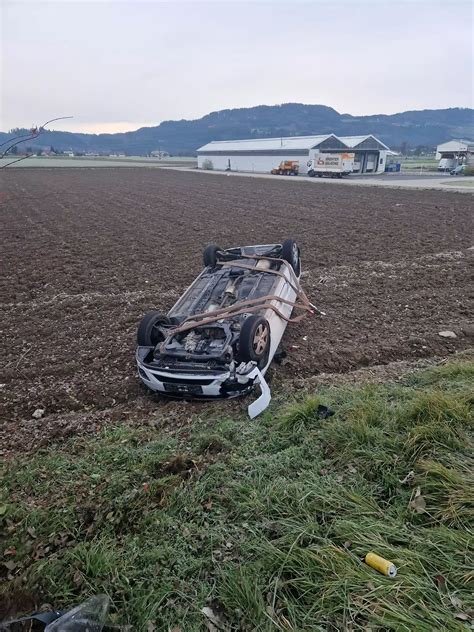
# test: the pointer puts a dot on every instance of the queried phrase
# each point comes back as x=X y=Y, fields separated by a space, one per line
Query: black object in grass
x=324 y=412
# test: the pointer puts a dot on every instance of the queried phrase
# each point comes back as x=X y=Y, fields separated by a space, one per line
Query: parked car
x=220 y=337
x=460 y=170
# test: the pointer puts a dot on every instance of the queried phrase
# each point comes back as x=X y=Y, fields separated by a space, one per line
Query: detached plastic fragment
x=90 y=616
x=262 y=402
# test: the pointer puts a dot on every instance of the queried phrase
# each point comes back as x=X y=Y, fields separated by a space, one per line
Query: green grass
x=419 y=163
x=266 y=522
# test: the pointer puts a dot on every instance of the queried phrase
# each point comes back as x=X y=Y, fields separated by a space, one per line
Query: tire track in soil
x=88 y=253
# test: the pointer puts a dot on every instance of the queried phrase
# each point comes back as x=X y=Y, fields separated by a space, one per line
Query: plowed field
x=87 y=252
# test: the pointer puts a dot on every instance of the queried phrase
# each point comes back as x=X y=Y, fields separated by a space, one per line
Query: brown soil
x=15 y=603
x=88 y=252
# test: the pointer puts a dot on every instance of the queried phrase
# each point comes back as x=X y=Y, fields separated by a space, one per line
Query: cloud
x=114 y=64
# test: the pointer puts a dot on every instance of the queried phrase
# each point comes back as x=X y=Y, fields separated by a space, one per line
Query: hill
x=413 y=128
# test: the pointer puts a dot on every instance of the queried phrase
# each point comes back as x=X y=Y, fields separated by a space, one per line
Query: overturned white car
x=220 y=337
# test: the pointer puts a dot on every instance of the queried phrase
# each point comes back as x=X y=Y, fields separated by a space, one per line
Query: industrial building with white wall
x=455 y=152
x=264 y=154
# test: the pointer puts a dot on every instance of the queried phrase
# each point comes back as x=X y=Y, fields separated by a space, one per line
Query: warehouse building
x=263 y=154
x=455 y=152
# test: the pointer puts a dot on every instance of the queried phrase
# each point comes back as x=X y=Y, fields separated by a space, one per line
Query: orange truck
x=287 y=168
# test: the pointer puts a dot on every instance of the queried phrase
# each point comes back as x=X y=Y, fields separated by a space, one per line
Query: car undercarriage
x=221 y=335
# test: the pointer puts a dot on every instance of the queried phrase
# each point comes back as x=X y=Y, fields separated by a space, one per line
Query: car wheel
x=149 y=334
x=254 y=340
x=209 y=256
x=291 y=253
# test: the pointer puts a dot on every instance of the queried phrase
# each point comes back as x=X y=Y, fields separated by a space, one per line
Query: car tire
x=148 y=334
x=291 y=253
x=209 y=256
x=254 y=340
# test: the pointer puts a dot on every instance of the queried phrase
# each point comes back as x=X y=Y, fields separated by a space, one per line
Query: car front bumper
x=192 y=385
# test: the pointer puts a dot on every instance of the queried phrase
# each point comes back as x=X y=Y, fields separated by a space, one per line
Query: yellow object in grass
x=381 y=564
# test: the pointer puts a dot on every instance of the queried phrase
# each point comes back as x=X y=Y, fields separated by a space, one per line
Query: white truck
x=331 y=165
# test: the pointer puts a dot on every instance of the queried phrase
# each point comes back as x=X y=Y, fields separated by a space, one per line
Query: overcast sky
x=118 y=65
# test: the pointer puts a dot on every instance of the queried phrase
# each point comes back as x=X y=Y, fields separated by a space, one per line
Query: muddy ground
x=87 y=252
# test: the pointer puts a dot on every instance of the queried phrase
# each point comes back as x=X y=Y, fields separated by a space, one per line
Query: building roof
x=288 y=142
x=303 y=143
x=456 y=144
x=354 y=141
